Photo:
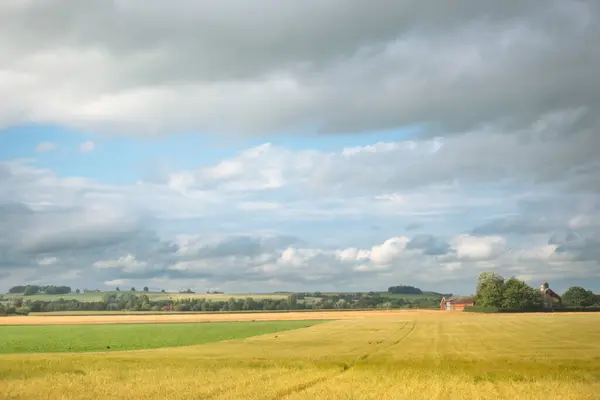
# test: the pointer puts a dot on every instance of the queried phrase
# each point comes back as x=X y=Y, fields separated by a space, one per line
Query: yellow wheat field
x=396 y=355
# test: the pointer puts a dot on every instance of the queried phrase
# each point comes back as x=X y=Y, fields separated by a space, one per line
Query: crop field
x=116 y=337
x=364 y=355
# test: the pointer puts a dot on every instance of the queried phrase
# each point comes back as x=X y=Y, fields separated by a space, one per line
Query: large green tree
x=490 y=290
x=517 y=294
x=578 y=296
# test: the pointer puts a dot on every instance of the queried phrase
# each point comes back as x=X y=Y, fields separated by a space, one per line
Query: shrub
x=482 y=309
x=22 y=310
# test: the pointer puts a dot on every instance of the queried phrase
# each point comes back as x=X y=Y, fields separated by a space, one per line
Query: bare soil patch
x=173 y=318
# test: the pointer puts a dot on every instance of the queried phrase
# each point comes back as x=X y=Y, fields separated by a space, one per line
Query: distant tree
x=292 y=302
x=248 y=304
x=578 y=296
x=517 y=294
x=182 y=307
x=77 y=291
x=162 y=290
x=133 y=289
x=31 y=290
x=16 y=289
x=146 y=289
x=341 y=303
x=23 y=310
x=404 y=290
x=232 y=305
x=387 y=305
x=490 y=290
x=118 y=290
x=51 y=289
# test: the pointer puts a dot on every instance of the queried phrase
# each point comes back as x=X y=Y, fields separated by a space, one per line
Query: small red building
x=456 y=303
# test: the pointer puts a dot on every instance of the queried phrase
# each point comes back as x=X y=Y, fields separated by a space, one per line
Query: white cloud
x=538 y=253
x=473 y=248
x=353 y=254
x=388 y=251
x=127 y=263
x=292 y=257
x=116 y=282
x=87 y=147
x=580 y=221
x=45 y=147
x=258 y=205
x=48 y=261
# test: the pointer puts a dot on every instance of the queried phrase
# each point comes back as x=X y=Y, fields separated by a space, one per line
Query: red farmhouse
x=456 y=303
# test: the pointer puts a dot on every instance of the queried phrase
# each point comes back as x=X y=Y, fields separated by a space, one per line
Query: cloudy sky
x=301 y=145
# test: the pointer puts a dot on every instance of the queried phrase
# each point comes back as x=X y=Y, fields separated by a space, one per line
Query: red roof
x=460 y=299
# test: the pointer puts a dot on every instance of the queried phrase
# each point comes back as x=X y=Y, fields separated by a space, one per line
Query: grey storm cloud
x=582 y=248
x=429 y=244
x=413 y=226
x=514 y=81
x=26 y=234
x=520 y=225
x=331 y=65
x=241 y=245
x=563 y=238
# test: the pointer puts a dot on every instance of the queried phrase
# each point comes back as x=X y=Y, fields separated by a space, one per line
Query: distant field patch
x=408 y=296
x=215 y=297
x=91 y=296
x=154 y=296
x=85 y=338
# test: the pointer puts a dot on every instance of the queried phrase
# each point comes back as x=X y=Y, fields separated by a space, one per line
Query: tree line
x=404 y=290
x=28 y=290
x=132 y=301
x=495 y=293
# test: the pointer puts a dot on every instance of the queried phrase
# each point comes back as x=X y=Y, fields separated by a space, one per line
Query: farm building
x=456 y=303
x=549 y=296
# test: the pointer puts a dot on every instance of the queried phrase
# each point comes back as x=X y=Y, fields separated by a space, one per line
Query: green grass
x=403 y=356
x=84 y=338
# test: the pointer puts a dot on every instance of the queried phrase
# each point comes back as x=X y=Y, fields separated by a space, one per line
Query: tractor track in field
x=346 y=366
x=412 y=328
x=218 y=392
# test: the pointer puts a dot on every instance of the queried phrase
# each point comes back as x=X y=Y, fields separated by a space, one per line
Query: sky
x=327 y=145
